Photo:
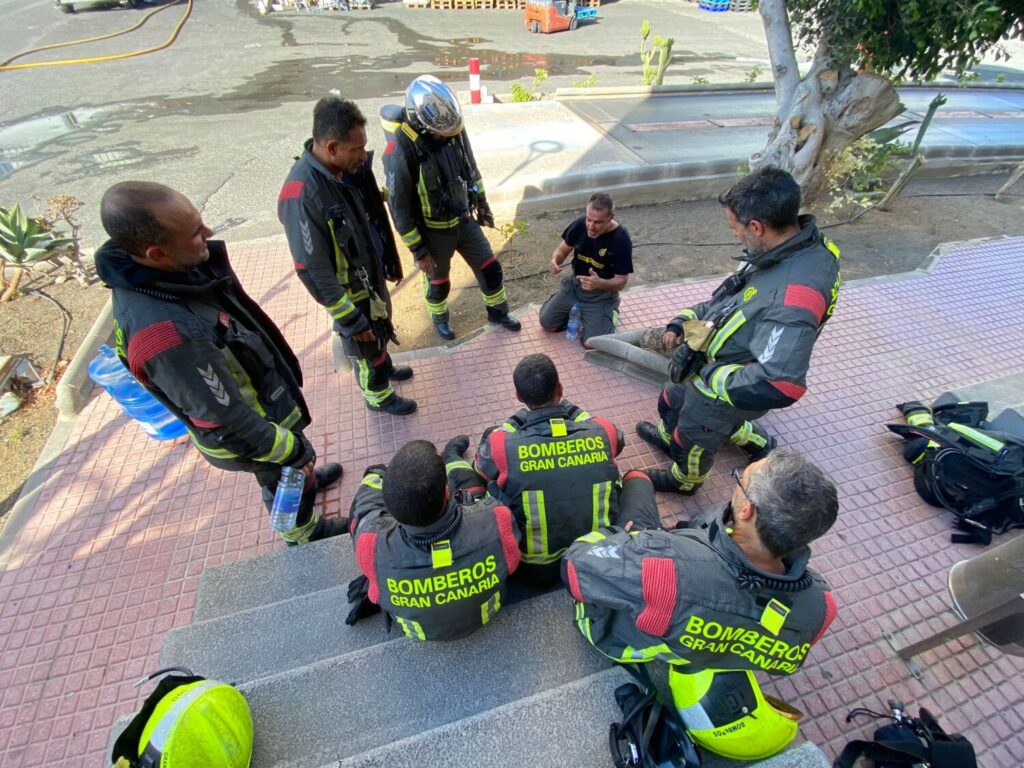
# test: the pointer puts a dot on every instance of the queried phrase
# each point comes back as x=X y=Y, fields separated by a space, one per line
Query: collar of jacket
x=438 y=525
x=345 y=177
x=117 y=269
x=795 y=577
x=808 y=235
x=528 y=418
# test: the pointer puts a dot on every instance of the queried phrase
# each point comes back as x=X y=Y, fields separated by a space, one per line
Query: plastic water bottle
x=109 y=372
x=572 y=330
x=286 y=500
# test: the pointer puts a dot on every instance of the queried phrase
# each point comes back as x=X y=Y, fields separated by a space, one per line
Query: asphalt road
x=220 y=113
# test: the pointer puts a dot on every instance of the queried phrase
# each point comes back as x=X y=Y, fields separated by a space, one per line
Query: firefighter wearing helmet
x=437 y=200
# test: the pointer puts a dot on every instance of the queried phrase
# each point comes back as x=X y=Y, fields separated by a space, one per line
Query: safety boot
x=395 y=405
x=506 y=321
x=455 y=448
x=328 y=527
x=757 y=454
x=444 y=330
x=649 y=434
x=665 y=482
x=400 y=373
x=328 y=475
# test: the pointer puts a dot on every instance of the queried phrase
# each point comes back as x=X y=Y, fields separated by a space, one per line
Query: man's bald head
x=127 y=214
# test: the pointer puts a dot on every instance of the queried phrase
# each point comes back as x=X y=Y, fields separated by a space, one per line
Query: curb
x=75 y=385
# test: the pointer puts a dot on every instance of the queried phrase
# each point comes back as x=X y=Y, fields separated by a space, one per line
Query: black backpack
x=968 y=465
x=908 y=741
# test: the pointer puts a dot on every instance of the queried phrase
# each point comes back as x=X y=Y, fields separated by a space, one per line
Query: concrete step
x=278 y=575
x=339 y=708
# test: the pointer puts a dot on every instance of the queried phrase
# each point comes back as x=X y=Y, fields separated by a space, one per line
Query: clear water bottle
x=572 y=330
x=285 y=510
x=109 y=372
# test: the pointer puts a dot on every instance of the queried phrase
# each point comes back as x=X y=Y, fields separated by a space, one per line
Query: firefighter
x=553 y=465
x=746 y=350
x=437 y=566
x=731 y=591
x=434 y=191
x=602 y=261
x=191 y=335
x=343 y=248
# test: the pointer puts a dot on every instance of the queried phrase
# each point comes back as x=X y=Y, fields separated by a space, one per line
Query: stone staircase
x=526 y=690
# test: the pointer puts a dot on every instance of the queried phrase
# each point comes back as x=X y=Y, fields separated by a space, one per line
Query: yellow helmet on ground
x=188 y=722
x=725 y=712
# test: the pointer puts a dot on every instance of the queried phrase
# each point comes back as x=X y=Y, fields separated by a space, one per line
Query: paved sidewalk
x=111 y=557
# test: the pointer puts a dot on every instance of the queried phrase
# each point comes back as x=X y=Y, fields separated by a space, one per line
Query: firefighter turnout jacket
x=691 y=597
x=210 y=354
x=432 y=182
x=442 y=581
x=555 y=468
x=768 y=316
x=340 y=240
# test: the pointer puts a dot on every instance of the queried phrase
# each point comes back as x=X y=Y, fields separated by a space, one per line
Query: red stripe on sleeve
x=503 y=516
x=290 y=191
x=658 y=576
x=150 y=342
x=805 y=297
x=574 y=581
x=205 y=424
x=366 y=558
x=497 y=438
x=664 y=397
x=609 y=428
x=299 y=267
x=831 y=610
x=390 y=147
x=633 y=474
x=789 y=389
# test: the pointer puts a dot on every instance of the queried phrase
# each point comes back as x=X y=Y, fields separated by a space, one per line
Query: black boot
x=328 y=527
x=756 y=454
x=395 y=405
x=328 y=475
x=650 y=434
x=665 y=482
x=455 y=448
x=444 y=330
x=506 y=321
x=400 y=373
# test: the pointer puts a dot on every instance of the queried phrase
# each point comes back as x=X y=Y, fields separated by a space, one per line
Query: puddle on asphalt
x=21 y=142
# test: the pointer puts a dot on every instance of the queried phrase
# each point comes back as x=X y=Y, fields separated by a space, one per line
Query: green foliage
x=754 y=74
x=654 y=74
x=513 y=229
x=590 y=82
x=25 y=242
x=699 y=80
x=539 y=76
x=911 y=39
x=858 y=173
x=521 y=93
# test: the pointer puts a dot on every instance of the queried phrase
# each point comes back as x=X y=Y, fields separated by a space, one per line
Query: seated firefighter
x=553 y=465
x=731 y=591
x=438 y=567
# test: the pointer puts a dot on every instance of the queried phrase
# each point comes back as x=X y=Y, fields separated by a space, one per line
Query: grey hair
x=602 y=201
x=796 y=501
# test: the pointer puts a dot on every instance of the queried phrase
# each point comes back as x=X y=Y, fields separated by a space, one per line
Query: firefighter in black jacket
x=343 y=248
x=554 y=466
x=732 y=591
x=438 y=567
x=191 y=335
x=746 y=350
x=434 y=189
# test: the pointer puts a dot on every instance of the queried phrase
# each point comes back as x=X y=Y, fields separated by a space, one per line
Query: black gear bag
x=908 y=741
x=970 y=466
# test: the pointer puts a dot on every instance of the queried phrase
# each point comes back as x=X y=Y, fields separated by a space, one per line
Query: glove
x=484 y=217
x=683 y=363
x=358 y=591
x=358 y=324
x=304 y=452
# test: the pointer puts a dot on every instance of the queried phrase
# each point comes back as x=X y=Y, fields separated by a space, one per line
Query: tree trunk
x=12 y=286
x=822 y=114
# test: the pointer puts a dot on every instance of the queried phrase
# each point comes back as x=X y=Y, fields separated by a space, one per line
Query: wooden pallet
x=589 y=3
x=507 y=5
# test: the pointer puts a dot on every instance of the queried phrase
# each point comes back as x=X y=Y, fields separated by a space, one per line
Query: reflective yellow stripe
x=494 y=299
x=341 y=308
x=536 y=523
x=687 y=314
x=300 y=534
x=245 y=387
x=722 y=335
x=920 y=419
x=583 y=622
x=629 y=653
x=216 y=453
x=284 y=445
x=582 y=416
x=832 y=247
x=663 y=432
x=451 y=466
x=978 y=437
x=719 y=380
x=490 y=608
x=411 y=628
x=440 y=223
x=602 y=495
x=412 y=237
x=341 y=269
x=373 y=480
x=592 y=538
x=292 y=418
x=508 y=426
x=703 y=388
x=372 y=396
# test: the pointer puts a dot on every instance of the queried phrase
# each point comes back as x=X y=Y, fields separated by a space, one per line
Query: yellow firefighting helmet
x=725 y=712
x=189 y=722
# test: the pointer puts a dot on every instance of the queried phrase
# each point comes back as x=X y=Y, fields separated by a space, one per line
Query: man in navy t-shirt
x=602 y=261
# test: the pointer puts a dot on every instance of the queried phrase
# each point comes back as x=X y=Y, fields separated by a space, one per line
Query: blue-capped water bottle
x=572 y=330
x=109 y=372
x=285 y=510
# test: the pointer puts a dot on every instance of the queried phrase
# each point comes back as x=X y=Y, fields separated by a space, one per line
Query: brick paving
x=124 y=527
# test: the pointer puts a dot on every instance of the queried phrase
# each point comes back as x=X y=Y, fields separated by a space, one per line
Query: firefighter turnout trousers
x=468 y=239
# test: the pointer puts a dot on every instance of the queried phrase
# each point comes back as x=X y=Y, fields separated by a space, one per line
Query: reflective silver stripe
x=163 y=729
